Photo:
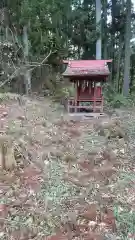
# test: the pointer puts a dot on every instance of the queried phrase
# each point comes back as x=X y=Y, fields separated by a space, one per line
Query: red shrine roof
x=86 y=68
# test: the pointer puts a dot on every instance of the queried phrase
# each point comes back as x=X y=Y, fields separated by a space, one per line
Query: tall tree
x=98 y=22
x=127 y=50
x=113 y=31
x=104 y=29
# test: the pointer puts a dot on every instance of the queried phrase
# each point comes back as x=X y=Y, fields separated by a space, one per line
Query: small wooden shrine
x=87 y=77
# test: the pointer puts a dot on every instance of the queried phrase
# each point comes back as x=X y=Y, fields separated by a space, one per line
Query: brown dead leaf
x=69 y=158
x=24 y=234
x=93 y=236
x=75 y=181
x=74 y=132
x=106 y=171
x=86 y=164
x=21 y=118
x=4 y=114
x=58 y=236
x=108 y=154
x=90 y=212
x=4 y=210
x=109 y=219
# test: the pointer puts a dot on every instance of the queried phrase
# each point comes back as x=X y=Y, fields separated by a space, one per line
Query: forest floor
x=65 y=185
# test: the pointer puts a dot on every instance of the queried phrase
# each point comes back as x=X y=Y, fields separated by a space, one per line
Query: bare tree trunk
x=7 y=157
x=113 y=9
x=121 y=44
x=118 y=63
x=127 y=50
x=105 y=28
x=132 y=73
x=98 y=22
x=27 y=76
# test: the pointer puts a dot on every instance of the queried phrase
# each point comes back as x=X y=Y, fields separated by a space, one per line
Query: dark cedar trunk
x=127 y=50
x=27 y=75
x=113 y=9
x=118 y=63
x=132 y=73
x=105 y=29
x=98 y=22
x=121 y=45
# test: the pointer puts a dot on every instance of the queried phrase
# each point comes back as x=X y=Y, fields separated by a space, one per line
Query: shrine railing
x=93 y=104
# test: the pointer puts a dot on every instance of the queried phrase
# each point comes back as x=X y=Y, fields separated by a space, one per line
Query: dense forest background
x=35 y=35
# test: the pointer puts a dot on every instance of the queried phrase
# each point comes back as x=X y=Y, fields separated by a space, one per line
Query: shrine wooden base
x=86 y=116
x=75 y=107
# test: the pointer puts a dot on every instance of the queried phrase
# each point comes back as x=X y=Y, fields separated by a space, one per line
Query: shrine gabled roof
x=86 y=68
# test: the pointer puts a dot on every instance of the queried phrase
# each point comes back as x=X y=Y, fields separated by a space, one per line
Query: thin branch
x=9 y=79
x=19 y=68
x=45 y=59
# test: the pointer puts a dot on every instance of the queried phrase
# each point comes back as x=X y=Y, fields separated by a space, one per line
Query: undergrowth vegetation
x=117 y=100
